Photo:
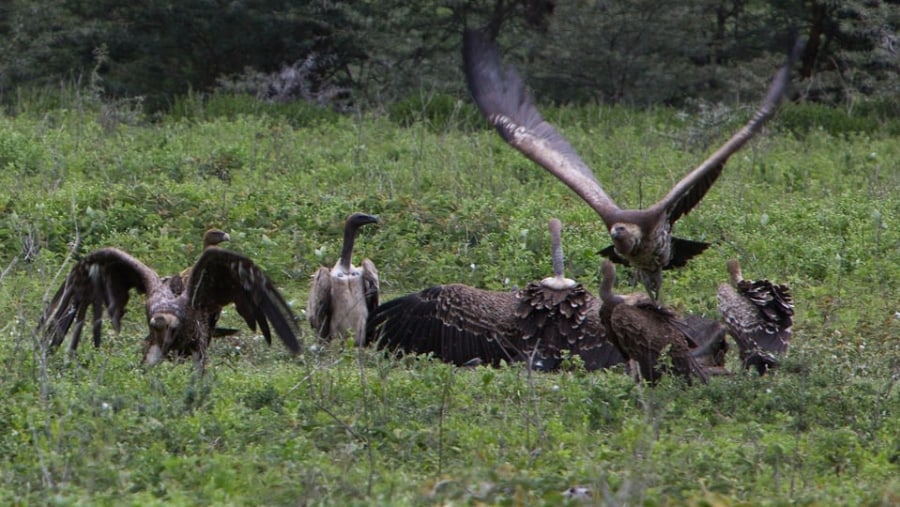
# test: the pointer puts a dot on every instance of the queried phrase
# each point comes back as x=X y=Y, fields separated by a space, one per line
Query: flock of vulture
x=540 y=325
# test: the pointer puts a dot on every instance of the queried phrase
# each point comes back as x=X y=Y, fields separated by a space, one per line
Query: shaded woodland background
x=369 y=54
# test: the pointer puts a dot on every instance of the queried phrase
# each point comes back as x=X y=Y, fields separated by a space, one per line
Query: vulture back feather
x=759 y=316
x=644 y=331
x=460 y=324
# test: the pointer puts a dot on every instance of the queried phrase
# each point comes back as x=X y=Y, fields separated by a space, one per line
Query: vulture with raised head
x=212 y=237
x=181 y=323
x=459 y=324
x=641 y=237
x=759 y=315
x=342 y=297
x=643 y=331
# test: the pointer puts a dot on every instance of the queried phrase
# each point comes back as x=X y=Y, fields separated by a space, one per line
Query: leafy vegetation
x=373 y=53
x=803 y=204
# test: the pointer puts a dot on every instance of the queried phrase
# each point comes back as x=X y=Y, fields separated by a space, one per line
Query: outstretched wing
x=221 y=277
x=102 y=279
x=501 y=96
x=318 y=305
x=691 y=189
x=456 y=323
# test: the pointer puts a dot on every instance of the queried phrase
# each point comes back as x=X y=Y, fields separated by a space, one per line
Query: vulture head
x=626 y=237
x=358 y=219
x=163 y=328
x=214 y=237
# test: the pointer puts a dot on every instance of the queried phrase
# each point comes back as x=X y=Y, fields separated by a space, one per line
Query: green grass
x=814 y=209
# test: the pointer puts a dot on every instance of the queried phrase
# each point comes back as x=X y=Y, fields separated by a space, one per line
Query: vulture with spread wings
x=641 y=237
x=462 y=324
x=181 y=319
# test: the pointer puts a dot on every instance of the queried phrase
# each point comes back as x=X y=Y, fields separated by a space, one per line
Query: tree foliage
x=637 y=51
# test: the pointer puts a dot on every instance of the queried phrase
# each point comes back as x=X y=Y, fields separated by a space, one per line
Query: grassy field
x=812 y=207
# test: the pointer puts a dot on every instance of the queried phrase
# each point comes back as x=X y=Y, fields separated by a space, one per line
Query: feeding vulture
x=759 y=315
x=643 y=331
x=460 y=324
x=342 y=297
x=641 y=237
x=180 y=323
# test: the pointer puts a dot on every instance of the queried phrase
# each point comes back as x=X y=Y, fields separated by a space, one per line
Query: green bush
x=801 y=118
x=439 y=111
x=200 y=107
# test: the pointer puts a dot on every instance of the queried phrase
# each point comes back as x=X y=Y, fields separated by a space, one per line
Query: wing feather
x=691 y=189
x=318 y=305
x=454 y=322
x=102 y=279
x=221 y=277
x=371 y=285
x=500 y=94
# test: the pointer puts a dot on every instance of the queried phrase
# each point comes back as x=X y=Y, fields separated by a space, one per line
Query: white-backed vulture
x=341 y=298
x=460 y=324
x=641 y=237
x=759 y=315
x=180 y=324
x=643 y=331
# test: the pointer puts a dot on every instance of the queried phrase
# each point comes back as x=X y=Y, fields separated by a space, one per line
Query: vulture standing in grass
x=461 y=324
x=181 y=322
x=641 y=237
x=643 y=331
x=759 y=315
x=342 y=297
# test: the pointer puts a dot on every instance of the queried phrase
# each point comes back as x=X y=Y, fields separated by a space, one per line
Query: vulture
x=643 y=331
x=212 y=237
x=181 y=319
x=461 y=324
x=758 y=314
x=640 y=238
x=706 y=338
x=342 y=297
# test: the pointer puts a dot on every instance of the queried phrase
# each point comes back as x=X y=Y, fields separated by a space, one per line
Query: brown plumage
x=641 y=237
x=458 y=323
x=180 y=323
x=759 y=316
x=342 y=297
x=643 y=331
x=212 y=237
x=707 y=342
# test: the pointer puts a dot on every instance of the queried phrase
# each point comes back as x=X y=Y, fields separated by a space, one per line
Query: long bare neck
x=606 y=284
x=734 y=269
x=349 y=238
x=556 y=245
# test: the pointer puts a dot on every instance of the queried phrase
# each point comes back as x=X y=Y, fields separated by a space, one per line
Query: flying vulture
x=641 y=237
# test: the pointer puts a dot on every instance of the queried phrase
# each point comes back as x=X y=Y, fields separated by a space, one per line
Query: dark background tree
x=633 y=51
